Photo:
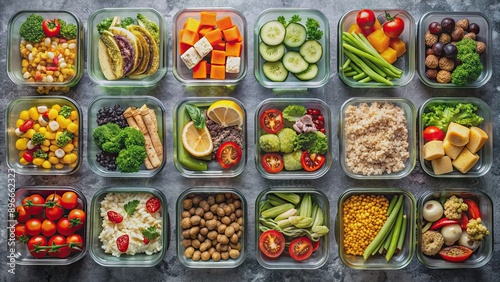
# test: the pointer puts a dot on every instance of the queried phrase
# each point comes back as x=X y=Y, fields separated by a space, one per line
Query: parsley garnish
x=130 y=206
x=294 y=19
x=150 y=233
x=313 y=32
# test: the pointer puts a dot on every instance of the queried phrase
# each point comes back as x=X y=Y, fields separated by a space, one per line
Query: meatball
x=446 y=64
x=463 y=23
x=430 y=39
x=431 y=74
x=432 y=61
x=432 y=241
x=445 y=38
x=480 y=47
x=443 y=76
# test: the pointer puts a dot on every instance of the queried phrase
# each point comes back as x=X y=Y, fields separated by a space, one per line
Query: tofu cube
x=191 y=58
x=477 y=139
x=433 y=150
x=203 y=47
x=442 y=165
x=465 y=161
x=233 y=64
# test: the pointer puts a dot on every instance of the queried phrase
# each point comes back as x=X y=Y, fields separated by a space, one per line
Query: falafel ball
x=432 y=61
x=432 y=241
x=446 y=64
x=269 y=143
x=443 y=76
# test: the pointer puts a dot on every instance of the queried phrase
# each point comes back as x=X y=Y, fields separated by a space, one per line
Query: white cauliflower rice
x=376 y=138
x=132 y=225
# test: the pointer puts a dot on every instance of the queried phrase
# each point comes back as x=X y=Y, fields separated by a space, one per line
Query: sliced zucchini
x=310 y=73
x=312 y=51
x=272 y=33
x=271 y=53
x=295 y=35
x=294 y=62
x=275 y=71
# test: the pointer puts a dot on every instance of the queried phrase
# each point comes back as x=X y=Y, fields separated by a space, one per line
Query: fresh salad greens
x=294 y=112
x=313 y=142
x=441 y=115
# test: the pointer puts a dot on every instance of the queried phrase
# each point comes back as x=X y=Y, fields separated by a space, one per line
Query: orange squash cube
x=233 y=49
x=231 y=34
x=204 y=30
x=398 y=45
x=208 y=19
x=218 y=72
x=218 y=57
x=224 y=23
x=379 y=40
x=220 y=46
x=390 y=55
x=354 y=28
x=189 y=37
x=200 y=70
x=214 y=37
x=192 y=24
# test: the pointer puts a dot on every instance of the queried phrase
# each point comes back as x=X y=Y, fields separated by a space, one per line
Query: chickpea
x=204 y=231
x=235 y=226
x=224 y=255
x=214 y=207
x=240 y=221
x=232 y=217
x=211 y=200
x=195 y=243
x=234 y=254
x=204 y=205
x=214 y=242
x=239 y=233
x=203 y=222
x=208 y=215
x=195 y=220
x=186 y=243
x=235 y=197
x=222 y=247
x=229 y=201
x=185 y=234
x=227 y=210
x=237 y=204
x=205 y=256
x=187 y=204
x=205 y=246
x=222 y=239
x=219 y=198
x=193 y=232
x=212 y=235
x=192 y=210
x=197 y=199
x=211 y=250
x=216 y=256
x=201 y=238
x=235 y=246
x=222 y=228
x=234 y=238
x=211 y=224
x=238 y=213
x=226 y=220
x=233 y=208
x=186 y=223
x=229 y=232
x=199 y=211
x=185 y=214
x=196 y=255
x=189 y=252
x=220 y=211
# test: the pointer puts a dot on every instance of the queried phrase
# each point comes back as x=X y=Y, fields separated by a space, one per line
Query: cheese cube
x=191 y=58
x=465 y=161
x=442 y=165
x=457 y=134
x=233 y=64
x=451 y=150
x=433 y=150
x=477 y=139
x=203 y=47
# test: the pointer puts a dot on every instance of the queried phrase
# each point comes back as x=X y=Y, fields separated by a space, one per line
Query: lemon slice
x=197 y=142
x=226 y=113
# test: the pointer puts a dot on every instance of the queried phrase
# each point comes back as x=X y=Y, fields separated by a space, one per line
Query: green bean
x=364 y=54
x=367 y=70
x=395 y=236
x=402 y=235
x=347 y=62
x=348 y=69
x=387 y=241
x=365 y=80
x=355 y=67
x=351 y=73
x=392 y=204
x=360 y=76
x=367 y=43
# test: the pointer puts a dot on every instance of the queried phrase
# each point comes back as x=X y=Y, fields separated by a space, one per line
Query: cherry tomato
x=272 y=243
x=75 y=242
x=33 y=226
x=51 y=27
x=122 y=243
x=26 y=125
x=271 y=120
x=53 y=211
x=20 y=232
x=433 y=133
x=49 y=228
x=229 y=154
x=312 y=162
x=53 y=198
x=272 y=162
x=69 y=200
x=64 y=227
x=394 y=26
x=21 y=214
x=153 y=205
x=34 y=204
x=37 y=241
x=455 y=253
x=77 y=218
x=115 y=217
x=365 y=19
x=300 y=248
x=58 y=250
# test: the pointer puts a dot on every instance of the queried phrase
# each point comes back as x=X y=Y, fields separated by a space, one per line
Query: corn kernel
x=54 y=160
x=59 y=166
x=67 y=159
x=68 y=148
x=33 y=113
x=56 y=107
x=19 y=122
x=44 y=148
x=46 y=164
x=29 y=133
x=38 y=161
x=24 y=115
x=53 y=113
x=73 y=115
x=42 y=130
x=62 y=121
x=53 y=148
x=72 y=127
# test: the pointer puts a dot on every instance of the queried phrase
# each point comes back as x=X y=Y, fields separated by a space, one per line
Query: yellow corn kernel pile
x=363 y=217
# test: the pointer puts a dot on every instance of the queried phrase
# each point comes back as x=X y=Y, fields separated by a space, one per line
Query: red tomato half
x=300 y=248
x=272 y=162
x=433 y=133
x=455 y=253
x=394 y=26
x=272 y=243
x=153 y=205
x=229 y=154
x=312 y=162
x=35 y=242
x=271 y=120
x=122 y=243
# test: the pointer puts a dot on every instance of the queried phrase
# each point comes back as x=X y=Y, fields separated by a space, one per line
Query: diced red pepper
x=51 y=68
x=26 y=125
x=443 y=222
x=473 y=210
x=55 y=60
x=27 y=156
x=463 y=221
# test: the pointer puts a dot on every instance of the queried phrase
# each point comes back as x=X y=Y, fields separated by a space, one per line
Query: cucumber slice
x=295 y=35
x=275 y=71
x=271 y=53
x=272 y=33
x=310 y=73
x=294 y=62
x=312 y=51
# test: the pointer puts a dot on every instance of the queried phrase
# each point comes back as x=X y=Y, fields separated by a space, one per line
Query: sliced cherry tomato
x=26 y=125
x=34 y=204
x=77 y=218
x=59 y=248
x=271 y=120
x=300 y=248
x=115 y=217
x=433 y=133
x=20 y=232
x=69 y=200
x=272 y=162
x=49 y=228
x=394 y=25
x=122 y=243
x=366 y=20
x=229 y=154
x=64 y=227
x=21 y=214
x=33 y=226
x=455 y=253
x=51 y=27
x=315 y=246
x=153 y=205
x=272 y=243
x=34 y=243
x=312 y=162
x=75 y=242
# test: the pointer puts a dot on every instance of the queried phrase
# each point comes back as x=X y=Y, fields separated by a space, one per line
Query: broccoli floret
x=476 y=230
x=151 y=26
x=127 y=21
x=105 y=133
x=131 y=158
x=31 y=29
x=104 y=25
x=65 y=111
x=37 y=138
x=40 y=154
x=294 y=112
x=132 y=136
x=470 y=69
x=441 y=115
x=64 y=138
x=453 y=207
x=68 y=31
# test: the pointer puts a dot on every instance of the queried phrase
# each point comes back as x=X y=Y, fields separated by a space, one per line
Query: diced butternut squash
x=214 y=36
x=233 y=49
x=377 y=25
x=218 y=57
x=477 y=139
x=220 y=46
x=457 y=134
x=398 y=45
x=189 y=37
x=442 y=165
x=390 y=55
x=200 y=70
x=192 y=24
x=433 y=150
x=354 y=28
x=218 y=72
x=231 y=34
x=451 y=150
x=224 y=23
x=465 y=161
x=208 y=18
x=379 y=40
x=204 y=30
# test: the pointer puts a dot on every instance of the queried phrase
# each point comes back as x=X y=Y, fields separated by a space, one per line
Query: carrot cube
x=214 y=36
x=189 y=37
x=204 y=30
x=200 y=70
x=192 y=24
x=218 y=57
x=220 y=46
x=224 y=23
x=208 y=19
x=218 y=72
x=231 y=34
x=233 y=49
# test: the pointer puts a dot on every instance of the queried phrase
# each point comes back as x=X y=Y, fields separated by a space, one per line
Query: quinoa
x=376 y=138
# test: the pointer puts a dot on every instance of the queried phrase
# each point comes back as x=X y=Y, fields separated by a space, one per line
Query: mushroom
x=433 y=210
x=466 y=242
x=451 y=233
